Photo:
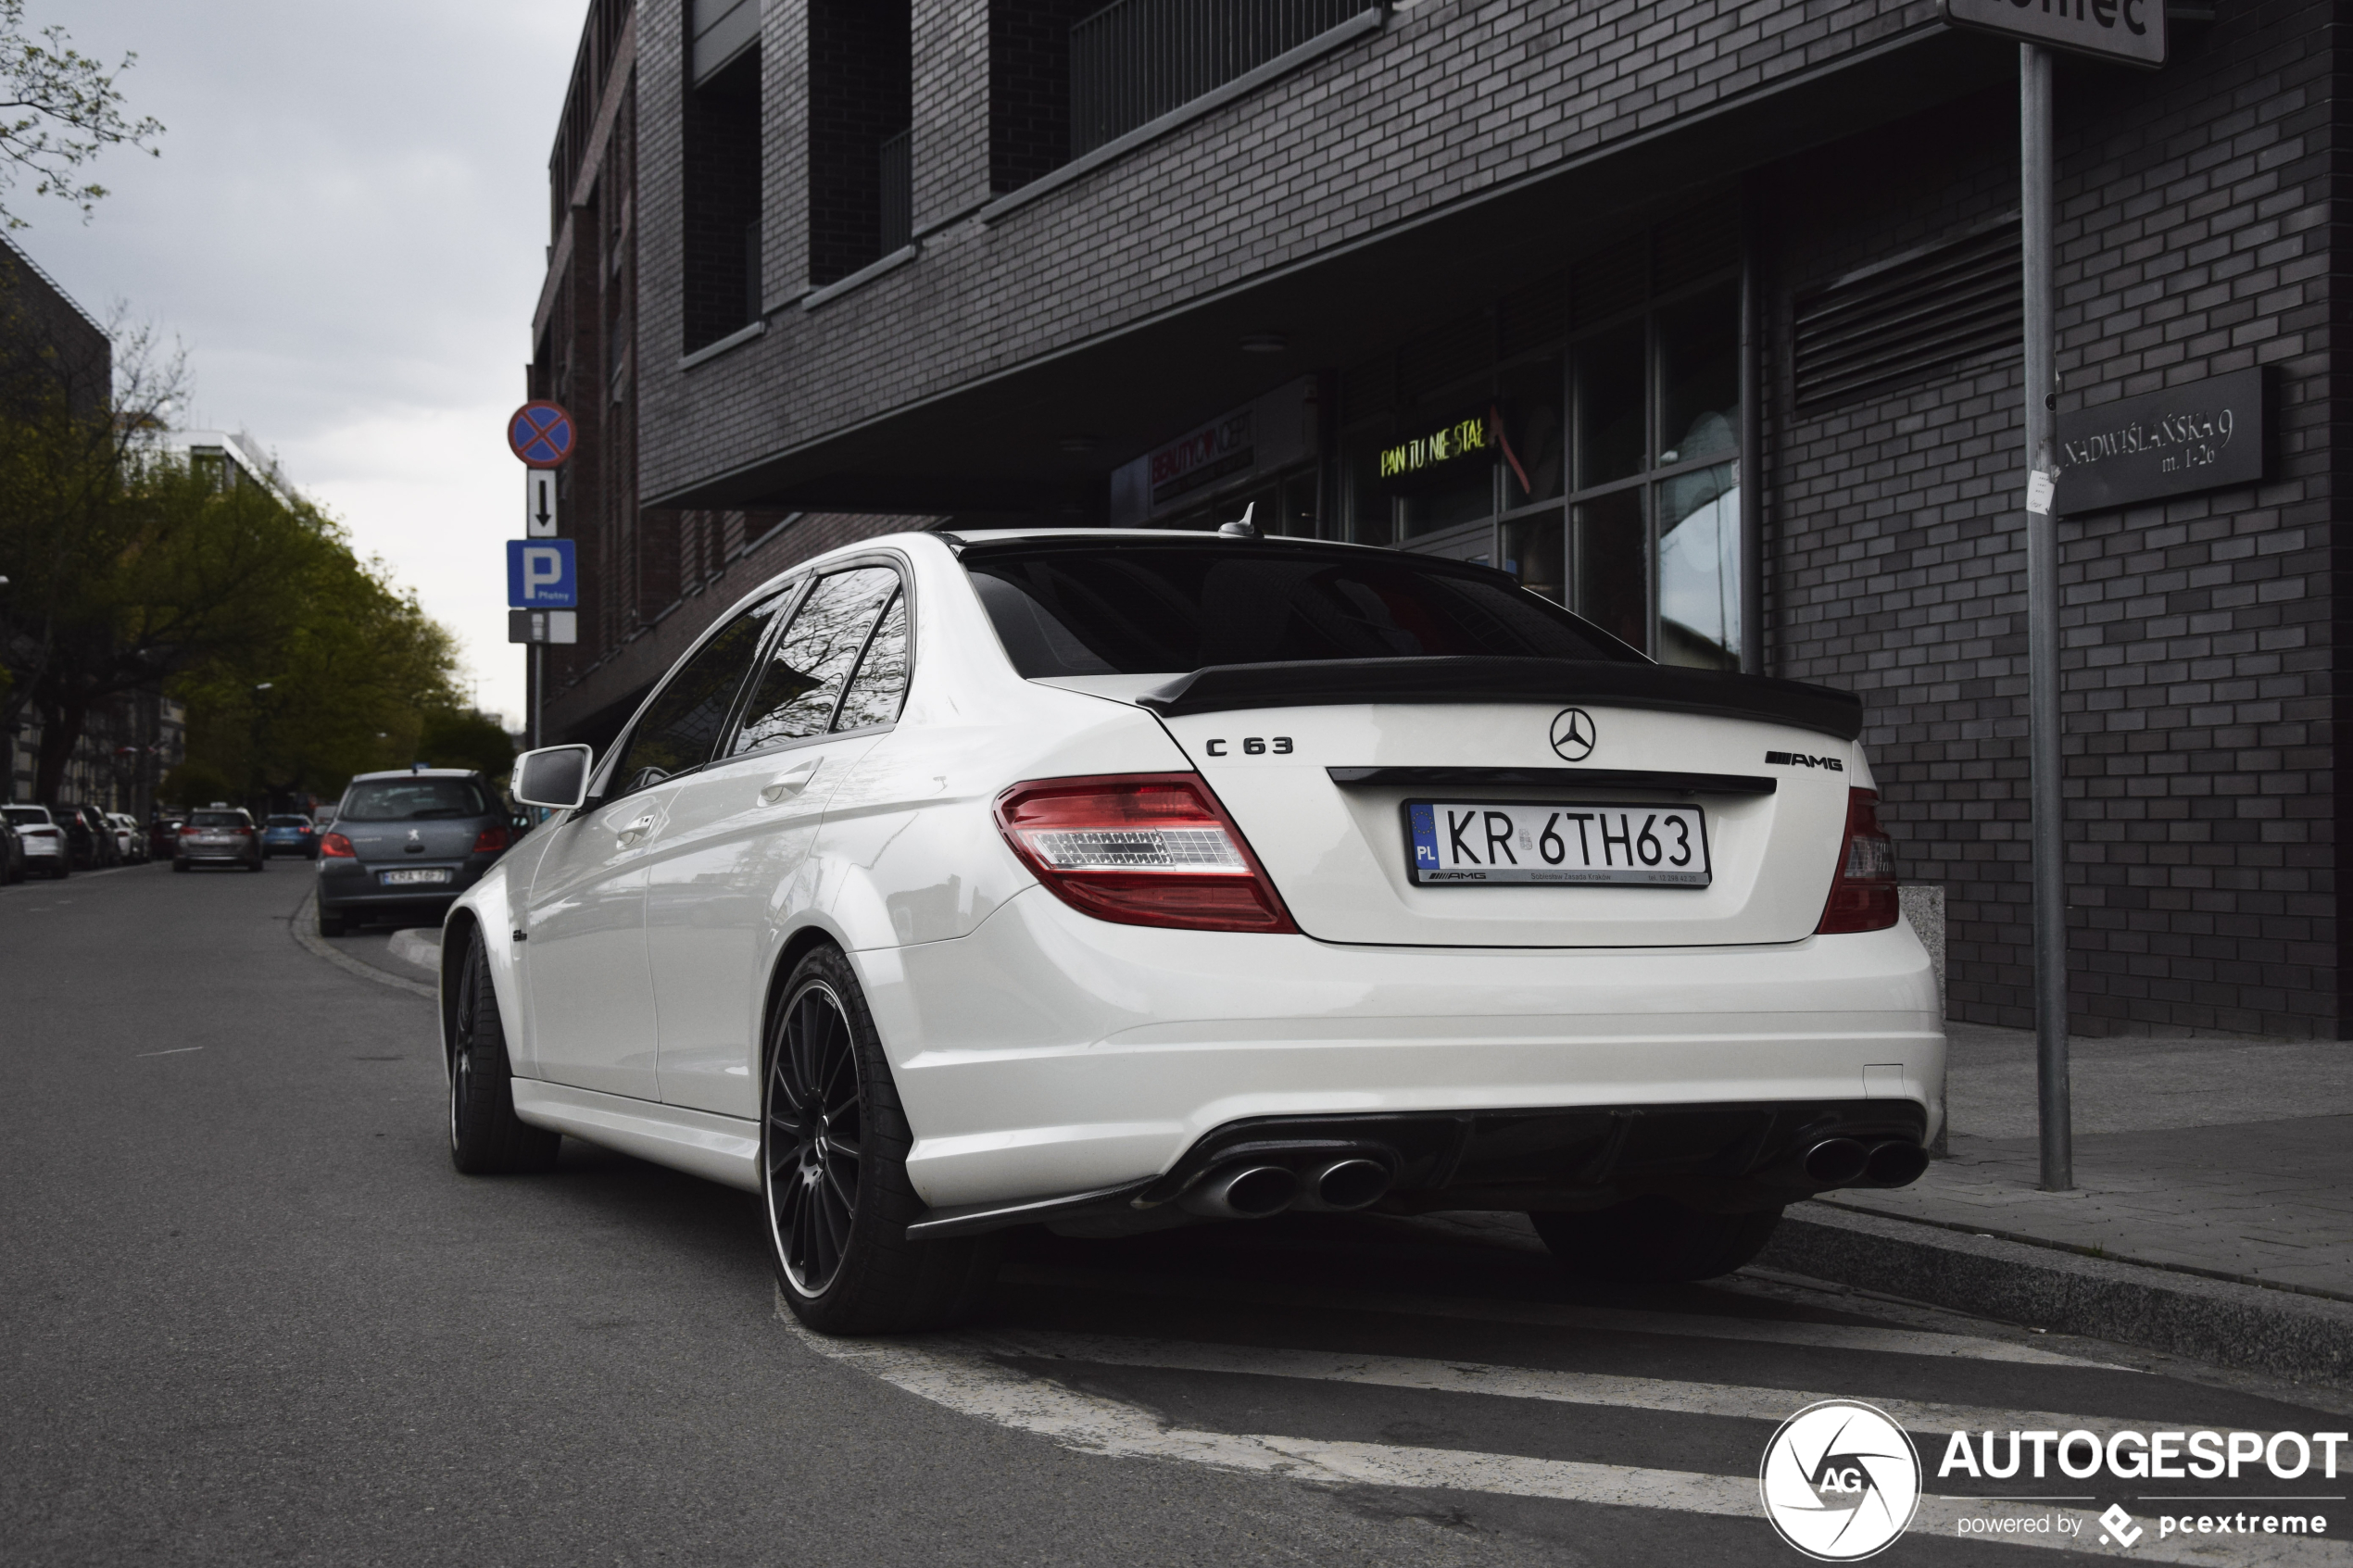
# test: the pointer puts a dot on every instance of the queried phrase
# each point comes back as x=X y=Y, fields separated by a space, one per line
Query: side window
x=681 y=723
x=803 y=673
x=880 y=684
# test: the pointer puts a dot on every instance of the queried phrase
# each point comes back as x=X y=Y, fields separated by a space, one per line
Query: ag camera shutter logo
x=1839 y=1481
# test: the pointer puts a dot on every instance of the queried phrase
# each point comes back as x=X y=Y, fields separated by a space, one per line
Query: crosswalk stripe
x=1609 y=1320
x=951 y=1374
x=1528 y=1383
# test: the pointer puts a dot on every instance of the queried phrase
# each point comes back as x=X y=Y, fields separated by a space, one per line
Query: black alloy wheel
x=812 y=1145
x=486 y=1136
x=832 y=1172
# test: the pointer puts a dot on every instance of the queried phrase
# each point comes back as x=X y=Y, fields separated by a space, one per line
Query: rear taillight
x=1141 y=849
x=335 y=846
x=491 y=841
x=187 y=832
x=1862 y=895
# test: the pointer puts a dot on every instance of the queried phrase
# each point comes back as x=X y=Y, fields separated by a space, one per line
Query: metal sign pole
x=2036 y=161
x=537 y=653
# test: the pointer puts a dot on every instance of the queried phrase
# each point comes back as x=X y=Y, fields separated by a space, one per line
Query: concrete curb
x=421 y=948
x=2302 y=1337
x=304 y=930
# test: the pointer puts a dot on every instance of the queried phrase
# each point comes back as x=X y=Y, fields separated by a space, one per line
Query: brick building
x=1701 y=317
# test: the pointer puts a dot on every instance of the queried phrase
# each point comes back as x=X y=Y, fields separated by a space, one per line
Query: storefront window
x=1610 y=406
x=1530 y=407
x=1699 y=559
x=1611 y=582
x=1533 y=553
x=1699 y=379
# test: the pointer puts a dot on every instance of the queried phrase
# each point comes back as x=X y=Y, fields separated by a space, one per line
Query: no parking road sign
x=542 y=433
x=541 y=575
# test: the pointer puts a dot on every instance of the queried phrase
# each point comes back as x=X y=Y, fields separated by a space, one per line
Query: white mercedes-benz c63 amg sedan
x=1113 y=880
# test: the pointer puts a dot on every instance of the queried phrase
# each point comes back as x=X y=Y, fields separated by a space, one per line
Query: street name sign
x=542 y=574
x=539 y=504
x=543 y=626
x=541 y=433
x=2202 y=435
x=2124 y=32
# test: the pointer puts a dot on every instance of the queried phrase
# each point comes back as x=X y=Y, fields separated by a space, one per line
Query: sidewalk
x=2227 y=1157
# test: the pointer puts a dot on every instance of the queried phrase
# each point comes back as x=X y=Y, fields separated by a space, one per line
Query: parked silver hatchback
x=218 y=836
x=405 y=845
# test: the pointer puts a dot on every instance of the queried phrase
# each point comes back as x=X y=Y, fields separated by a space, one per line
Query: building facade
x=1701 y=319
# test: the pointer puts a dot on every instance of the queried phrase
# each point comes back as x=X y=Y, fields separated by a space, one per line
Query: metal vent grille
x=1902 y=321
x=1462 y=348
x=1610 y=283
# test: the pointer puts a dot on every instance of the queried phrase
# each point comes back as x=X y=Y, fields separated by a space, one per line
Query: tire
x=178 y=865
x=485 y=1136
x=836 y=1209
x=330 y=925
x=63 y=872
x=1654 y=1240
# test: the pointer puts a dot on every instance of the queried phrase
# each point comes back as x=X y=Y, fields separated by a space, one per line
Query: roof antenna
x=1242 y=529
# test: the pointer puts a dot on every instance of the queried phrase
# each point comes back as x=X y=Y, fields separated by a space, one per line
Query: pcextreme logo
x=1840 y=1480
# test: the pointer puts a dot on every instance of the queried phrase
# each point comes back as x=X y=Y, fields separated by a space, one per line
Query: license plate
x=399 y=879
x=1489 y=843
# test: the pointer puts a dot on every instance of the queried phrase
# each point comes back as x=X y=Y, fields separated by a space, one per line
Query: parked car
x=289 y=833
x=89 y=836
x=323 y=818
x=1117 y=879
x=406 y=844
x=219 y=836
x=46 y=848
x=163 y=835
x=131 y=842
x=12 y=857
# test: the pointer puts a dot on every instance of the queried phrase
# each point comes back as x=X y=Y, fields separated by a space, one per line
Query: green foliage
x=194 y=783
x=464 y=738
x=58 y=109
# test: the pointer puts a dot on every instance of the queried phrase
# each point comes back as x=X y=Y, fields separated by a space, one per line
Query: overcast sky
x=346 y=232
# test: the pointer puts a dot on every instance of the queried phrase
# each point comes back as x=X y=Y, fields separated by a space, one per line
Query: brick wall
x=2200 y=782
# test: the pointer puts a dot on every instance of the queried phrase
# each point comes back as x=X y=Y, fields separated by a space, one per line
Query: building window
x=1603 y=470
x=721 y=187
x=860 y=99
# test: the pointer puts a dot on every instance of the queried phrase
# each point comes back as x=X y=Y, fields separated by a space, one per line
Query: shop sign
x=1264 y=435
x=1432 y=454
x=1204 y=456
x=2201 y=436
x=2127 y=32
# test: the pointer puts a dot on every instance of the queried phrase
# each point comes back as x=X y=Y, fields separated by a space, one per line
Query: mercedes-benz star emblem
x=1573 y=734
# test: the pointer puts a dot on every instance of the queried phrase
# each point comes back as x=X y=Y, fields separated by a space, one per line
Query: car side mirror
x=554 y=776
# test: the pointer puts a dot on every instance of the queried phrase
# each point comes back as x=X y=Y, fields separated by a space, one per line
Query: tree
x=58 y=109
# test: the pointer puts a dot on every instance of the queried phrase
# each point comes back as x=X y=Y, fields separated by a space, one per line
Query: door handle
x=790 y=783
x=636 y=830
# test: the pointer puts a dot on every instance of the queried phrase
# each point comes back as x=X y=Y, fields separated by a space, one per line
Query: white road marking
x=951 y=1374
x=1528 y=1383
x=1608 y=1320
x=176 y=1050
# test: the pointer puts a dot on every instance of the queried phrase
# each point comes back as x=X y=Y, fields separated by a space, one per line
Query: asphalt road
x=252 y=1317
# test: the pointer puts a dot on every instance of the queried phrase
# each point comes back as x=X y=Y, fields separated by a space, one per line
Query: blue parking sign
x=540 y=574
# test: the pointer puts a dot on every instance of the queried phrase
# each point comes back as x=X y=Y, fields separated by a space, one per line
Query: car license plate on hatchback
x=1486 y=843
x=402 y=879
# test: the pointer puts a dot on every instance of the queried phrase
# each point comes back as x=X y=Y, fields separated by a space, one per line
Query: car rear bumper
x=195 y=855
x=1052 y=1054
x=356 y=887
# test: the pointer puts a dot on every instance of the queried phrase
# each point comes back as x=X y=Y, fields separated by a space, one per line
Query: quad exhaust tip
x=1245 y=1192
x=1894 y=1163
x=1256 y=1191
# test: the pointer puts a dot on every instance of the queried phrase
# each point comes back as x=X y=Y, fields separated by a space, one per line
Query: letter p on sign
x=540 y=574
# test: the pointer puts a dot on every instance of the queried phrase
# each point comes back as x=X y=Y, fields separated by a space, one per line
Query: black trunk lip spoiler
x=1219 y=688
x=1558 y=778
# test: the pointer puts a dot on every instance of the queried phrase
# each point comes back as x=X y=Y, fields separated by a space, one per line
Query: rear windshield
x=289 y=822
x=1133 y=610
x=29 y=816
x=217 y=820
x=405 y=800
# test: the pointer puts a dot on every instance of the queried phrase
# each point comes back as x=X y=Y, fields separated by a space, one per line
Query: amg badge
x=1799 y=759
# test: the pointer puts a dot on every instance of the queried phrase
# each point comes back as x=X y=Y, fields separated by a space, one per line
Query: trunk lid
x=1322 y=790
x=433 y=840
